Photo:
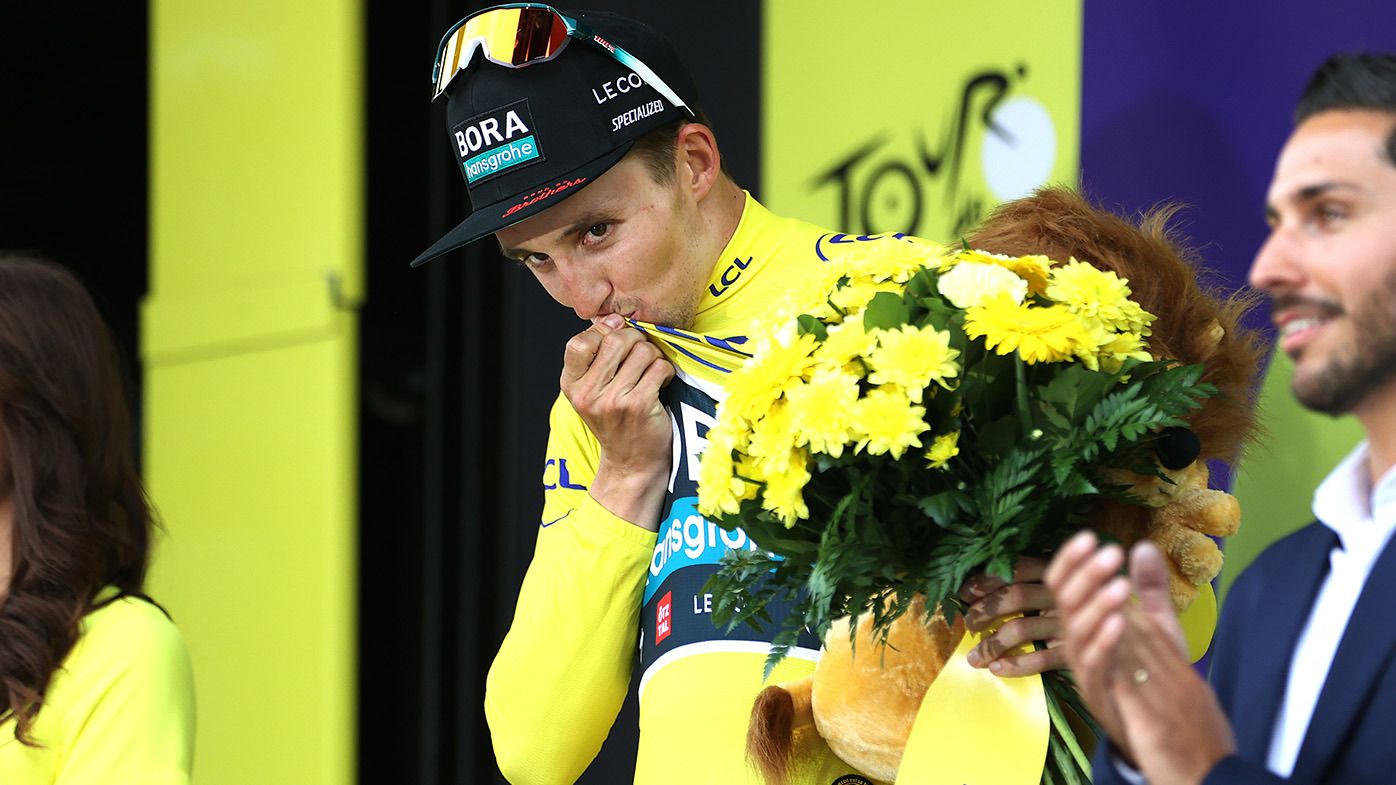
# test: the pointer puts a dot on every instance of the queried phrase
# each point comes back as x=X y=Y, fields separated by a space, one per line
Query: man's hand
x=612 y=377
x=1091 y=598
x=1176 y=727
x=991 y=600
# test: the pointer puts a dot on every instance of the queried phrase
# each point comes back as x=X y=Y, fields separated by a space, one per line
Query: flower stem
x=1020 y=372
x=1063 y=729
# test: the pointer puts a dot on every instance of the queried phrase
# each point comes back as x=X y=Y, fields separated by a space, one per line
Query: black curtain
x=459 y=368
x=73 y=183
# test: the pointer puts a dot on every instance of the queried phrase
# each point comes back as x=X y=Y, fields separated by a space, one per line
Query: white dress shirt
x=1363 y=517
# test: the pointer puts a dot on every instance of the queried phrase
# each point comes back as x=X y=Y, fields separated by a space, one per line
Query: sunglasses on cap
x=521 y=34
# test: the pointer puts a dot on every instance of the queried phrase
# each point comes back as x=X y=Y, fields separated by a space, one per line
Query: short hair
x=656 y=148
x=1352 y=81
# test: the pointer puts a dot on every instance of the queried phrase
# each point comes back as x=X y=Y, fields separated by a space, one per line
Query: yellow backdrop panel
x=917 y=116
x=249 y=344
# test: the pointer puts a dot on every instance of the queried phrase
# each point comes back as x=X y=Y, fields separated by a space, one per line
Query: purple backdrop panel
x=1191 y=101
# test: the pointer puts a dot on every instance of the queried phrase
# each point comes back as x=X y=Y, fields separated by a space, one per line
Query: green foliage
x=885 y=311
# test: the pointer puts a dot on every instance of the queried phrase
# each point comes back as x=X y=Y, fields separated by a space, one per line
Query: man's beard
x=1346 y=380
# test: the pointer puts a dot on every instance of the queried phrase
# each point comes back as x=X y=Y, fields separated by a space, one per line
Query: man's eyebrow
x=1305 y=195
x=601 y=215
x=1311 y=192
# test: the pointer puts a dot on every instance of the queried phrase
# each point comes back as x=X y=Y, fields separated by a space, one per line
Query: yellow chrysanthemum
x=913 y=357
x=845 y=343
x=922 y=254
x=1035 y=268
x=976 y=256
x=969 y=284
x=886 y=421
x=1097 y=294
x=1124 y=346
x=1094 y=336
x=1037 y=334
x=720 y=491
x=823 y=410
x=784 y=492
x=854 y=296
x=899 y=267
x=944 y=448
x=776 y=368
x=772 y=438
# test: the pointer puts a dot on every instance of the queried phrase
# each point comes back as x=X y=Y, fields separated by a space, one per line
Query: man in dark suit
x=1303 y=683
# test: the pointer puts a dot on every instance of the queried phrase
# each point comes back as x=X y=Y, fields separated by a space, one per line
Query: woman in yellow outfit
x=95 y=681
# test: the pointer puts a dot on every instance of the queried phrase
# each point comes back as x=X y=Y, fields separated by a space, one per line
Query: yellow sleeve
x=563 y=670
x=127 y=699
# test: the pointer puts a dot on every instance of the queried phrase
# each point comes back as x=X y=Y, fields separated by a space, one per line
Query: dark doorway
x=73 y=181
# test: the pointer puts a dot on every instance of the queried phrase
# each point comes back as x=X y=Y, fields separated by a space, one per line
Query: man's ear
x=699 y=160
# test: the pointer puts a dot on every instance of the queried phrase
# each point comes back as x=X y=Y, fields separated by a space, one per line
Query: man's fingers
x=1150 y=575
x=1013 y=633
x=579 y=353
x=1069 y=557
x=1096 y=654
x=1029 y=570
x=1007 y=601
x=980 y=585
x=1087 y=577
x=1083 y=627
x=593 y=356
x=1039 y=661
x=658 y=374
x=615 y=348
x=632 y=367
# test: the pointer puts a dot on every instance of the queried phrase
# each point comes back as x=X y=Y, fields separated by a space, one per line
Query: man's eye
x=598 y=231
x=534 y=260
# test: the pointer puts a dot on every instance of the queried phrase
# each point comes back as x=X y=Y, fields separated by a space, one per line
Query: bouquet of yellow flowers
x=947 y=412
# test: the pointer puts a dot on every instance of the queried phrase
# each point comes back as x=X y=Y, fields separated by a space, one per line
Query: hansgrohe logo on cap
x=496 y=141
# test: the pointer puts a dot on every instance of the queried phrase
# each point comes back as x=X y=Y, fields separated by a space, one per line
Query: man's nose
x=1277 y=264
x=588 y=293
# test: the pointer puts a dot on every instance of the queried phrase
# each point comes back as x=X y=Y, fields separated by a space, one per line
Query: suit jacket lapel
x=1268 y=634
x=1364 y=652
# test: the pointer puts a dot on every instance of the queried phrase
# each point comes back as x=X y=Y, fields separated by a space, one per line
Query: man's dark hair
x=656 y=149
x=1352 y=81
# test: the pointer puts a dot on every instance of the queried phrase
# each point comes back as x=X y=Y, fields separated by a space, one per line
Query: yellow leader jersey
x=120 y=710
x=600 y=588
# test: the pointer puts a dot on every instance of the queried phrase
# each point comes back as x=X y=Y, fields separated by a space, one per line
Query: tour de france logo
x=883 y=185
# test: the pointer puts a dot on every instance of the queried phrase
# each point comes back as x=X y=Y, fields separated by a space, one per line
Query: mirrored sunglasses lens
x=508 y=36
x=541 y=33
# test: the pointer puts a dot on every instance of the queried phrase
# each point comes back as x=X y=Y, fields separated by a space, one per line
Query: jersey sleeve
x=128 y=701
x=563 y=669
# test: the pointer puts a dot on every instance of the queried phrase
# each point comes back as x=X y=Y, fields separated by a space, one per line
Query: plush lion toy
x=865 y=707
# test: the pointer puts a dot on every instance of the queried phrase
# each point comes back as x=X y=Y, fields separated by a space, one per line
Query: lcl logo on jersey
x=496 y=142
